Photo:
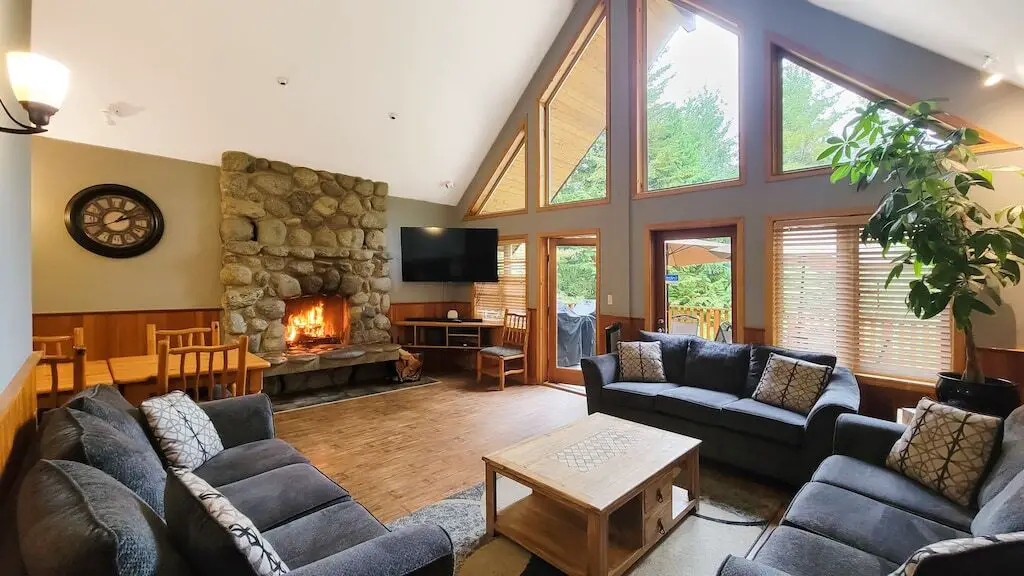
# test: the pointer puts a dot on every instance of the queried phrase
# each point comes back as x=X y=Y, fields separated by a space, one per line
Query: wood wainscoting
x=114 y=334
x=17 y=421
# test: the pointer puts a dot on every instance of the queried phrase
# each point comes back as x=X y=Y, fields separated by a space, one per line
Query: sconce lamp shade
x=39 y=84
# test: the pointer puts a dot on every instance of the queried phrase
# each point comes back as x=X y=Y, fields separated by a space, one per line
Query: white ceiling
x=204 y=73
x=958 y=30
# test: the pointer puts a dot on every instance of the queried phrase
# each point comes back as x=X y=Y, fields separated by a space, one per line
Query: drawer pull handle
x=661 y=527
x=658 y=495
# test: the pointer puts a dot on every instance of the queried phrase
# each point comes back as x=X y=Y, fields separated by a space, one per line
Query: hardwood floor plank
x=398 y=452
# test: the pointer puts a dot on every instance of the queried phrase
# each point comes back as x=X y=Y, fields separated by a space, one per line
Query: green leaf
x=840 y=173
x=982 y=307
x=917 y=268
x=831 y=150
x=894 y=274
x=971 y=137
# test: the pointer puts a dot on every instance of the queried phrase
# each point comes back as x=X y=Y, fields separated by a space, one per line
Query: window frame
x=523 y=239
x=600 y=15
x=780 y=48
x=517 y=144
x=885 y=381
x=639 y=95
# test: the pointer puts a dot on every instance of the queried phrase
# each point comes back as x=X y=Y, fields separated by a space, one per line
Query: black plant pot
x=996 y=396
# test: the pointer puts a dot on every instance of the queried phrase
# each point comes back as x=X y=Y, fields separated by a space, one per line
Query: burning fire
x=308 y=324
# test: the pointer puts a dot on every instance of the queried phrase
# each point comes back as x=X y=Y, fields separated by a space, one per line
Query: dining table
x=96 y=372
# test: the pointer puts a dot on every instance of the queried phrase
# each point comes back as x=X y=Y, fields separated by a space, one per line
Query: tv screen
x=449 y=254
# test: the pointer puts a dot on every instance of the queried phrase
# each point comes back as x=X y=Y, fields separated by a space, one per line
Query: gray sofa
x=70 y=514
x=857 y=517
x=707 y=396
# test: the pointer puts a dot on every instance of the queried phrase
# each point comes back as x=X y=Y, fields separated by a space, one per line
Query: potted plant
x=927 y=221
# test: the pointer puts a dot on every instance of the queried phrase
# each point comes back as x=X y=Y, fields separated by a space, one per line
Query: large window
x=491 y=299
x=505 y=192
x=812 y=103
x=829 y=295
x=574 y=113
x=692 y=105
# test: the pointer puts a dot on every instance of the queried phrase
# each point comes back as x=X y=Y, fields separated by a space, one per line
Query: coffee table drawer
x=656 y=524
x=659 y=493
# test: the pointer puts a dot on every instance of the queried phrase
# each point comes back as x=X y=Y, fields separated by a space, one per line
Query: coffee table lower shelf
x=558 y=534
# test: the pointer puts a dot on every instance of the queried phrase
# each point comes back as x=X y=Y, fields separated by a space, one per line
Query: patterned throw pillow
x=641 y=362
x=946 y=449
x=183 y=431
x=932 y=552
x=245 y=536
x=792 y=384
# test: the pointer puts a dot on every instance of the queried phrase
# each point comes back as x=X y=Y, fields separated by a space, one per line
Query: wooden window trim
x=876 y=380
x=517 y=144
x=511 y=239
x=600 y=15
x=779 y=47
x=639 y=101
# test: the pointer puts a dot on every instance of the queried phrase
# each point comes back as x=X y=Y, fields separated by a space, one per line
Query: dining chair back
x=58 y=350
x=198 y=367
x=182 y=338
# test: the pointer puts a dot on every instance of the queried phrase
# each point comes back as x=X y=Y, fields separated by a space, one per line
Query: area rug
x=310 y=398
x=734 y=512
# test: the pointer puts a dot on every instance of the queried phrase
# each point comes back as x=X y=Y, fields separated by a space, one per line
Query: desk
x=130 y=370
x=96 y=373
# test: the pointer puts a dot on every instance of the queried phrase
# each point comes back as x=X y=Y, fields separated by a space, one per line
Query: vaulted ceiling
x=195 y=78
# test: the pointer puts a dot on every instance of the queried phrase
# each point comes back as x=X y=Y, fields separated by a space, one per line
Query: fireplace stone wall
x=290 y=231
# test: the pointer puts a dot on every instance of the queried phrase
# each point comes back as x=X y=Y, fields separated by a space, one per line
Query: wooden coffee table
x=604 y=492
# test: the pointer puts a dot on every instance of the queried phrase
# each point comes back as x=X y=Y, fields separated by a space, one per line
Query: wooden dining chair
x=58 y=350
x=197 y=368
x=182 y=338
x=515 y=338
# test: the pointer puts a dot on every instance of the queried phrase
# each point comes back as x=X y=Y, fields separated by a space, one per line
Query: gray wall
x=868 y=52
x=15 y=216
x=414 y=213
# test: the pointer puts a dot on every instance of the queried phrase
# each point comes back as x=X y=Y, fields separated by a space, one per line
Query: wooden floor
x=400 y=451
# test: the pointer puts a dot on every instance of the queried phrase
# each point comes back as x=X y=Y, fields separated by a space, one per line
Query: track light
x=991 y=76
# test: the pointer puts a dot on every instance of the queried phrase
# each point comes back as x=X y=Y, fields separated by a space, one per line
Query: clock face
x=114 y=221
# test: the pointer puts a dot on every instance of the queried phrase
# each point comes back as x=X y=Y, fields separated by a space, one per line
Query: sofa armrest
x=597 y=372
x=242 y=419
x=866 y=439
x=422 y=550
x=841 y=396
x=736 y=566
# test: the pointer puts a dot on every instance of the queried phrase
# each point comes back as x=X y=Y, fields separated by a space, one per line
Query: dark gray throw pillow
x=673 y=353
x=74 y=435
x=1004 y=512
x=75 y=520
x=759 y=354
x=717 y=366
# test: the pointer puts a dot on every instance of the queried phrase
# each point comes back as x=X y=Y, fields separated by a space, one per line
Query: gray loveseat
x=858 y=518
x=707 y=396
x=73 y=518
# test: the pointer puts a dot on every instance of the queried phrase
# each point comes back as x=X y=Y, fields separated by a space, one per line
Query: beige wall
x=180 y=272
x=15 y=257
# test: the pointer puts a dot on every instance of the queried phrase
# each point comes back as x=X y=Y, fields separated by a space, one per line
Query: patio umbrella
x=695 y=251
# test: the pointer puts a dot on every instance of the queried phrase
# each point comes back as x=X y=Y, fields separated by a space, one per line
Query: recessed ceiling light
x=393 y=115
x=282 y=80
x=991 y=75
x=448 y=185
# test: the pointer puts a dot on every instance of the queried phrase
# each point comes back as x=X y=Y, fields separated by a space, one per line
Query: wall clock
x=114 y=221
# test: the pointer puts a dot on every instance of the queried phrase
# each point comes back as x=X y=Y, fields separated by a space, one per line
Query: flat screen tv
x=449 y=254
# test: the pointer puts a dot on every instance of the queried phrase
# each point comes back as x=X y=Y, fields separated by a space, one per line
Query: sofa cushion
x=800 y=553
x=1004 y=513
x=212 y=533
x=641 y=362
x=110 y=406
x=792 y=384
x=636 y=395
x=717 y=366
x=316 y=536
x=281 y=495
x=981 y=555
x=863 y=523
x=1011 y=458
x=73 y=519
x=758 y=419
x=697 y=404
x=892 y=488
x=247 y=460
x=673 y=353
x=185 y=434
x=946 y=449
x=80 y=437
x=759 y=354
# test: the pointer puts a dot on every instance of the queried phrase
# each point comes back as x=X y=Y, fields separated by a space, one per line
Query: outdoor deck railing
x=707 y=319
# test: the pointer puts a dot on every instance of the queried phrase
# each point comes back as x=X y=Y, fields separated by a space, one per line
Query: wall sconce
x=40 y=85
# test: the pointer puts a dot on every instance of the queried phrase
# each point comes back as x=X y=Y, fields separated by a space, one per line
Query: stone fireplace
x=305 y=269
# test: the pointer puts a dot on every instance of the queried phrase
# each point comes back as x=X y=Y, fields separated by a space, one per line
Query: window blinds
x=490 y=299
x=829 y=295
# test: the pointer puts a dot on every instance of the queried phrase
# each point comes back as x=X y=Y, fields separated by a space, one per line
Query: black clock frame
x=80 y=200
